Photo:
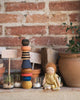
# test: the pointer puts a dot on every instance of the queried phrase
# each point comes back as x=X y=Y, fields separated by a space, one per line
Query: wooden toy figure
x=51 y=79
x=26 y=71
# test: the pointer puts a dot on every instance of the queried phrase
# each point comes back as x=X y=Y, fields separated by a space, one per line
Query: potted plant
x=8 y=82
x=69 y=62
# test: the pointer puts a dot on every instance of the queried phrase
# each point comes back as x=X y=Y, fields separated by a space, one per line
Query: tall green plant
x=74 y=43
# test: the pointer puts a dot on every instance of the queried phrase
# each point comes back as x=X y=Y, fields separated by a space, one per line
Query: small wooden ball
x=25 y=42
x=26 y=84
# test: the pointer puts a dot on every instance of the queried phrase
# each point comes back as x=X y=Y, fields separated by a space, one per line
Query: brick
x=19 y=52
x=37 y=18
x=0 y=7
x=58 y=18
x=61 y=50
x=64 y=6
x=10 y=18
x=47 y=41
x=24 y=30
x=0 y=30
x=75 y=17
x=10 y=41
x=15 y=64
x=58 y=30
x=21 y=6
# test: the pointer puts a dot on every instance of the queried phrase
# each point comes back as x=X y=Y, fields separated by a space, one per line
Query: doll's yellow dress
x=51 y=81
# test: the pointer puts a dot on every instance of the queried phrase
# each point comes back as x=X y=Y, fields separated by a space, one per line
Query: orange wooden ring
x=26 y=48
x=26 y=70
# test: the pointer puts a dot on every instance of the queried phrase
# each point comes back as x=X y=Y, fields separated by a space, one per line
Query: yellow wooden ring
x=26 y=84
x=26 y=48
x=26 y=70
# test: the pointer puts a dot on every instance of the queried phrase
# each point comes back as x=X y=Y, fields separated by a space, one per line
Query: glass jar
x=8 y=82
x=36 y=82
x=17 y=80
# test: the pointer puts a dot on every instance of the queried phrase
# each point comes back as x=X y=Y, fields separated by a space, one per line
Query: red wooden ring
x=26 y=74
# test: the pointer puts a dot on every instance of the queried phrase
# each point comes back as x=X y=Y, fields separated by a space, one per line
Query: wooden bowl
x=27 y=71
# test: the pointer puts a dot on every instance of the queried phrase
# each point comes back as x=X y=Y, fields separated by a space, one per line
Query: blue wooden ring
x=26 y=78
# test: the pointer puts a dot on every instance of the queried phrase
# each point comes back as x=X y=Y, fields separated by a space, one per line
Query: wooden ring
x=26 y=48
x=26 y=74
x=26 y=70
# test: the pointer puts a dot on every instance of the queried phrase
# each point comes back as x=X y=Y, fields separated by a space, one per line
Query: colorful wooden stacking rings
x=25 y=54
x=27 y=71
x=26 y=74
x=26 y=84
x=23 y=58
x=25 y=42
x=26 y=57
x=26 y=78
x=26 y=48
x=26 y=64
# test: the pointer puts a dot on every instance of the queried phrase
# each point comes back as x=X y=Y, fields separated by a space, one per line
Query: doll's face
x=50 y=70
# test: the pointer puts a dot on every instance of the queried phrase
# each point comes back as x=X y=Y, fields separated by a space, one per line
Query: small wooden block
x=48 y=55
x=9 y=54
x=35 y=58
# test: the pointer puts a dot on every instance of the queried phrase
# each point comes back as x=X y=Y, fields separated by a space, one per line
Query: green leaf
x=67 y=29
x=71 y=23
x=72 y=31
x=64 y=23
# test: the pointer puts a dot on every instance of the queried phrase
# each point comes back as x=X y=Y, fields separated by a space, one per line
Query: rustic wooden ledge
x=39 y=94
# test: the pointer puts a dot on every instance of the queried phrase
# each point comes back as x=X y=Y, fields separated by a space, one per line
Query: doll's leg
x=55 y=88
x=52 y=87
x=47 y=86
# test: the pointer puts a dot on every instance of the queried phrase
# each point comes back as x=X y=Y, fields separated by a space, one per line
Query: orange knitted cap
x=51 y=65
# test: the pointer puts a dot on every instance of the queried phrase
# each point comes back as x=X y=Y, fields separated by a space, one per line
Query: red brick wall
x=39 y=21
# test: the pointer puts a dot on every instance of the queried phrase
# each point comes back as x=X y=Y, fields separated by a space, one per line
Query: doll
x=51 y=79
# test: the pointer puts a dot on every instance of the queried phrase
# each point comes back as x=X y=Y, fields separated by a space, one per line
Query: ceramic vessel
x=69 y=66
x=35 y=73
x=2 y=70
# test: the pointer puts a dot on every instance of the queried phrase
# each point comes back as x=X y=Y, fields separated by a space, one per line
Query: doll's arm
x=44 y=81
x=57 y=80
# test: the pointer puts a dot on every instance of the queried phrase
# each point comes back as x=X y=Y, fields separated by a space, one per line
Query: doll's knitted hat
x=51 y=65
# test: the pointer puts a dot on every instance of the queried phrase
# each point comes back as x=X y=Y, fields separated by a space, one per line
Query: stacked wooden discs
x=26 y=71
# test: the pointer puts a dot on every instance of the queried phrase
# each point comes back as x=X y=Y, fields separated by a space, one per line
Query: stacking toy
x=26 y=71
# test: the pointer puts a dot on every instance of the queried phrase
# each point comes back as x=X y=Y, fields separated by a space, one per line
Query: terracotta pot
x=35 y=73
x=2 y=70
x=69 y=66
x=26 y=48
